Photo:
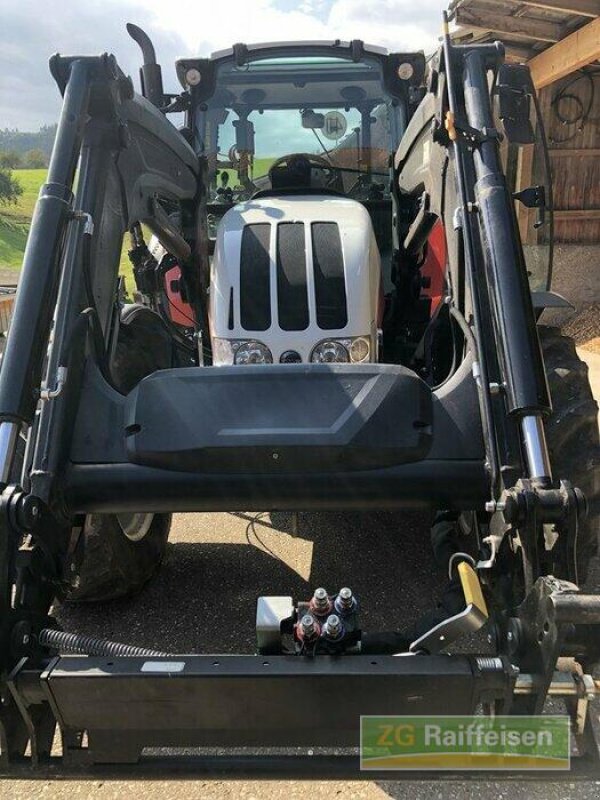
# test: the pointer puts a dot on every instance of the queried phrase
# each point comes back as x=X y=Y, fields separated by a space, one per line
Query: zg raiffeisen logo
x=463 y=743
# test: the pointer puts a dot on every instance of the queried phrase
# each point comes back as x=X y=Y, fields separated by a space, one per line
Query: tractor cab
x=298 y=142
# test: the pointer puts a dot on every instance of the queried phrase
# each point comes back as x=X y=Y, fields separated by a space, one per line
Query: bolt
x=333 y=628
x=510 y=636
x=25 y=638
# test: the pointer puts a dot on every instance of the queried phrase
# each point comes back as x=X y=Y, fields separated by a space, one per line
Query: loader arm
x=451 y=152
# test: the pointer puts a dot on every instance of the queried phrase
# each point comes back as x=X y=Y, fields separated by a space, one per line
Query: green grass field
x=261 y=168
x=16 y=219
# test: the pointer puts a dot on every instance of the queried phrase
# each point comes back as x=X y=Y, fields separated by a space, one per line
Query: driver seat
x=294 y=174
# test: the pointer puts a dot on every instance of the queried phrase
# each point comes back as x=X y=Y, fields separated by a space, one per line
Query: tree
x=10 y=188
x=35 y=159
x=10 y=159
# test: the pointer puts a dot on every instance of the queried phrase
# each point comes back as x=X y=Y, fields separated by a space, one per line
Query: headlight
x=193 y=77
x=252 y=353
x=330 y=352
x=239 y=351
x=341 y=351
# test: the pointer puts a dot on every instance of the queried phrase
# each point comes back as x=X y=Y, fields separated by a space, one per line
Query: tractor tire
x=121 y=552
x=572 y=436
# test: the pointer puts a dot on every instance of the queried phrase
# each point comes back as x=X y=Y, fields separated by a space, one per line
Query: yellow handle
x=471 y=587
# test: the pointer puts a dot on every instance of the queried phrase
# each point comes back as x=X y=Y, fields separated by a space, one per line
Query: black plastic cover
x=277 y=419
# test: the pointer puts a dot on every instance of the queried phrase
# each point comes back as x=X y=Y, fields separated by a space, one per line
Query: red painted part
x=181 y=313
x=434 y=266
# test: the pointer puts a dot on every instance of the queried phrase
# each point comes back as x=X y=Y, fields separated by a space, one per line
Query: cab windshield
x=325 y=123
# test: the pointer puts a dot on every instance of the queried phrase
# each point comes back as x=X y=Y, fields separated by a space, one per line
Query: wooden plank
x=571 y=53
x=577 y=231
x=523 y=180
x=567 y=152
x=7 y=303
x=514 y=58
x=576 y=213
x=468 y=35
x=503 y=24
x=583 y=8
x=518 y=55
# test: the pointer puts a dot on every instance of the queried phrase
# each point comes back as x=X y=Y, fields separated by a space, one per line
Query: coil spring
x=76 y=644
x=492 y=663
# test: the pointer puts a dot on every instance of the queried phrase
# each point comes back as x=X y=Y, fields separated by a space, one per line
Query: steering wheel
x=302 y=163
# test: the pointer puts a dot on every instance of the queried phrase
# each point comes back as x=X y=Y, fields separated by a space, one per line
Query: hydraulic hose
x=464 y=326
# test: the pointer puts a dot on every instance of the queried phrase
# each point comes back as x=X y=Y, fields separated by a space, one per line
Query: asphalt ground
x=204 y=600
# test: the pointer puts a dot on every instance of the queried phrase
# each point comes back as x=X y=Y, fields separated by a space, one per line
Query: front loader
x=333 y=310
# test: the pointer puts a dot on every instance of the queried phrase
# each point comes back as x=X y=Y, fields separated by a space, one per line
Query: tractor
x=333 y=309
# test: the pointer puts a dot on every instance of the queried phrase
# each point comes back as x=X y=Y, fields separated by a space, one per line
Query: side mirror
x=514 y=90
x=310 y=119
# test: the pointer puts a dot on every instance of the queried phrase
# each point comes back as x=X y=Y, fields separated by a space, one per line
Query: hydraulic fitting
x=308 y=629
x=333 y=628
x=320 y=603
x=345 y=603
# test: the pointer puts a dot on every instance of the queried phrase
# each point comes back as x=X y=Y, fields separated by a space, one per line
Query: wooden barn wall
x=575 y=157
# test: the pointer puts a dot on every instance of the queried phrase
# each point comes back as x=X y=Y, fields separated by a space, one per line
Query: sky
x=32 y=30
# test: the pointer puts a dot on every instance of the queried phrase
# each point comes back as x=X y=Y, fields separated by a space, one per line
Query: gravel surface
x=204 y=599
x=584 y=327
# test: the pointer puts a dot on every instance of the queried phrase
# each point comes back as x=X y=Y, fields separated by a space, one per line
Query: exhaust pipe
x=150 y=71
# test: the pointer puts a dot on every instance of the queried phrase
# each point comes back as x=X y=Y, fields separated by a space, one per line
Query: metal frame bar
x=434 y=483
x=116 y=749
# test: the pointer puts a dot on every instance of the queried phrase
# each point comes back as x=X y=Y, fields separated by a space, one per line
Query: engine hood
x=291 y=271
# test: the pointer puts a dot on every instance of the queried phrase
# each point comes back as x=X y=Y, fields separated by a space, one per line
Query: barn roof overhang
x=555 y=37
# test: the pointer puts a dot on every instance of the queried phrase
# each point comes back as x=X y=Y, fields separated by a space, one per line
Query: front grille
x=330 y=284
x=292 y=296
x=291 y=270
x=255 y=278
